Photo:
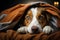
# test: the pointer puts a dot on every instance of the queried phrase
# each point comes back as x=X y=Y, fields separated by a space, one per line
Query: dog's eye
x=41 y=17
x=28 y=17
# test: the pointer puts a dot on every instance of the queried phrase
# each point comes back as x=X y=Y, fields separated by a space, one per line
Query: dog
x=38 y=20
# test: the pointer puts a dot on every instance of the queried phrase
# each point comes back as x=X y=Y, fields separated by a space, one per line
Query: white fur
x=22 y=29
x=55 y=21
x=34 y=21
x=48 y=29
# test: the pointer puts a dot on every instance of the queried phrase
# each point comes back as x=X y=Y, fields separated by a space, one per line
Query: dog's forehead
x=36 y=10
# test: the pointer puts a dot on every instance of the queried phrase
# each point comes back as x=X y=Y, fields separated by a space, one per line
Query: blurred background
x=4 y=4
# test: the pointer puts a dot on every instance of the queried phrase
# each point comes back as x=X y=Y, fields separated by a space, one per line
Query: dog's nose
x=35 y=29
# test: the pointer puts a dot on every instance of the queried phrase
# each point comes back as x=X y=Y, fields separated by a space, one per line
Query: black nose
x=35 y=29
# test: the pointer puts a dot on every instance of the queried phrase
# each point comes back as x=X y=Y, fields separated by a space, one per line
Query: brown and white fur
x=37 y=21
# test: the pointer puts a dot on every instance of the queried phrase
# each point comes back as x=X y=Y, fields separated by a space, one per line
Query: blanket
x=13 y=16
x=13 y=35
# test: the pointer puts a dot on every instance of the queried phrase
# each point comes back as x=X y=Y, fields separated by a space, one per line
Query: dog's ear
x=53 y=11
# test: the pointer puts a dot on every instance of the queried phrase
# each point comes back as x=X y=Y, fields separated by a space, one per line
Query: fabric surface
x=16 y=12
x=13 y=35
x=13 y=16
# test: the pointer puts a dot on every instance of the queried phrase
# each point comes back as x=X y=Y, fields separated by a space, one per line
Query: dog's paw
x=48 y=29
x=22 y=30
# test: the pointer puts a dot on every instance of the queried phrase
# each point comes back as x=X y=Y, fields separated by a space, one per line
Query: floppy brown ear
x=53 y=11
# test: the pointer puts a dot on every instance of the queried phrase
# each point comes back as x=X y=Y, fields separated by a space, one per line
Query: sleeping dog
x=38 y=20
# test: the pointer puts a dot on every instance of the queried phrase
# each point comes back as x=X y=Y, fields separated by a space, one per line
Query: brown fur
x=28 y=20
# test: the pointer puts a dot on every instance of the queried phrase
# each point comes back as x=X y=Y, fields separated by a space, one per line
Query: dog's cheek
x=42 y=23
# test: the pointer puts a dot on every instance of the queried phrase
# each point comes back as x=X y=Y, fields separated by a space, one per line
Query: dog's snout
x=35 y=29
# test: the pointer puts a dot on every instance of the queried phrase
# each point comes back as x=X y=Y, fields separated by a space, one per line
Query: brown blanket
x=12 y=35
x=15 y=13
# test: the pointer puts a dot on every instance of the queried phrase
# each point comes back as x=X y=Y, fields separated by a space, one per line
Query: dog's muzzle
x=35 y=29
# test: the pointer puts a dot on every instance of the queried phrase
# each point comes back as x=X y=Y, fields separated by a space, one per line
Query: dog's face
x=36 y=20
x=35 y=15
